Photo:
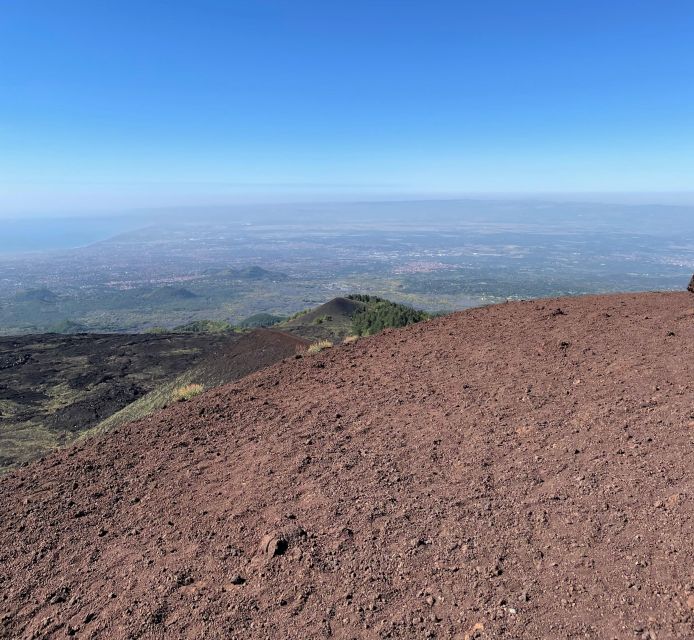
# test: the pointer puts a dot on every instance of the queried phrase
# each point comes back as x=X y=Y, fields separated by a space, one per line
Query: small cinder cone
x=691 y=285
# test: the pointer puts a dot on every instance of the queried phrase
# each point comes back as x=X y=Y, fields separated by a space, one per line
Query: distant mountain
x=247 y=273
x=329 y=321
x=37 y=295
x=258 y=273
x=164 y=294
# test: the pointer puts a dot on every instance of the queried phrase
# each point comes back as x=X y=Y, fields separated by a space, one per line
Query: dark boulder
x=691 y=285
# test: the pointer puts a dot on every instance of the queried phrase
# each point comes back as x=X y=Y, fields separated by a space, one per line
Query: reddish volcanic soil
x=517 y=471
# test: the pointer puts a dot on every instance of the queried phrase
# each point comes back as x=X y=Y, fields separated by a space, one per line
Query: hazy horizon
x=656 y=199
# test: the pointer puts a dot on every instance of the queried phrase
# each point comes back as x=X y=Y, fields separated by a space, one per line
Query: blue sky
x=107 y=105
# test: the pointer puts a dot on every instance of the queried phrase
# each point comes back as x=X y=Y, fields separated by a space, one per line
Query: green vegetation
x=379 y=314
x=205 y=326
x=322 y=319
x=261 y=320
x=363 y=297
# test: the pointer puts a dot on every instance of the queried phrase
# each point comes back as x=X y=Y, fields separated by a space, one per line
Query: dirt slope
x=516 y=471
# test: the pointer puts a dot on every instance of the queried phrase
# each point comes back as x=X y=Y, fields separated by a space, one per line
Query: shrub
x=204 y=326
x=157 y=330
x=381 y=314
x=317 y=347
x=186 y=392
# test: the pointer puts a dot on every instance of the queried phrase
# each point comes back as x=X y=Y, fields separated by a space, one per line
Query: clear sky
x=107 y=104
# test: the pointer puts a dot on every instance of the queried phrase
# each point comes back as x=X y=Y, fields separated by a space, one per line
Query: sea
x=25 y=235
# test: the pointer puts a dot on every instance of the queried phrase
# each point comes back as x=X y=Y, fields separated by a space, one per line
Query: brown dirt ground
x=516 y=471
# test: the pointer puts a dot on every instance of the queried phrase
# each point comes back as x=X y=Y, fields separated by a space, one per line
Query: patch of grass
x=350 y=339
x=20 y=442
x=61 y=395
x=180 y=352
x=157 y=330
x=186 y=392
x=298 y=314
x=8 y=408
x=317 y=347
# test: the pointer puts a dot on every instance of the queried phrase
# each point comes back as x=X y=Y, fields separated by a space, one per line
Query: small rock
x=273 y=545
x=237 y=579
x=59 y=596
x=673 y=500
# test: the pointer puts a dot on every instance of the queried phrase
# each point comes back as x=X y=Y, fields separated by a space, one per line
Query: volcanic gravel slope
x=516 y=471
